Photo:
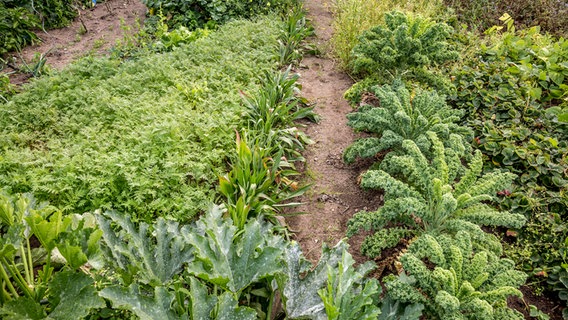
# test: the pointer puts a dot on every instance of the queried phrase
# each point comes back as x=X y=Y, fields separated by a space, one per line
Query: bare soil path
x=94 y=31
x=335 y=195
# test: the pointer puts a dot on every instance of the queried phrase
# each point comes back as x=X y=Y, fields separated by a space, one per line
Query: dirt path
x=335 y=195
x=94 y=31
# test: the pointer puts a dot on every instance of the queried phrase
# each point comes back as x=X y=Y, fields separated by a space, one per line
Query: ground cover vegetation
x=139 y=148
x=148 y=137
x=510 y=85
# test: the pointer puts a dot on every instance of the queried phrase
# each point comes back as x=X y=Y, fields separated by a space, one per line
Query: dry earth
x=335 y=195
x=106 y=23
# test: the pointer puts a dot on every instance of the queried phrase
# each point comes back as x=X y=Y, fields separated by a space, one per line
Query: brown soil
x=335 y=195
x=105 y=24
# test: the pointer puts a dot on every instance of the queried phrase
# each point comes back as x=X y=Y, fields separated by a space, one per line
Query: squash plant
x=62 y=292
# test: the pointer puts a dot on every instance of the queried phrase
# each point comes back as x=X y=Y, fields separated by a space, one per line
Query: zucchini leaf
x=230 y=260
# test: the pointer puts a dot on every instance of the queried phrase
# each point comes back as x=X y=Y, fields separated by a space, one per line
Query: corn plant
x=273 y=111
x=297 y=29
x=257 y=184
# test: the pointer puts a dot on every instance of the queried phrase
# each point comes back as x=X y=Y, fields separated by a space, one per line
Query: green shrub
x=407 y=47
x=402 y=116
x=149 y=137
x=436 y=195
x=352 y=17
x=200 y=13
x=16 y=25
x=550 y=15
x=454 y=281
x=19 y=19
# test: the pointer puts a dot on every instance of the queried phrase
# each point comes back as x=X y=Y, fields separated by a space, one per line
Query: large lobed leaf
x=231 y=260
x=154 y=256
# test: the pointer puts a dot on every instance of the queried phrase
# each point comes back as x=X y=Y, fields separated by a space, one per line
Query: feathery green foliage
x=436 y=196
x=461 y=284
x=148 y=137
x=405 y=47
x=403 y=116
x=352 y=17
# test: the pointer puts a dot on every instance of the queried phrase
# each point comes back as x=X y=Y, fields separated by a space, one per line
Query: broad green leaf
x=72 y=296
x=232 y=261
x=395 y=310
x=48 y=229
x=300 y=294
x=147 y=306
x=228 y=309
x=348 y=295
x=201 y=303
x=22 y=308
x=158 y=254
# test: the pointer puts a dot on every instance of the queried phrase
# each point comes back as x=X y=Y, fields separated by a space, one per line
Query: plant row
x=437 y=195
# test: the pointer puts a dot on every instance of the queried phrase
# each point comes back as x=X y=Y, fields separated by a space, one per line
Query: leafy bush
x=67 y=294
x=149 y=137
x=352 y=17
x=436 y=195
x=200 y=13
x=550 y=15
x=514 y=94
x=400 y=117
x=404 y=48
x=16 y=25
x=228 y=272
x=19 y=19
x=454 y=281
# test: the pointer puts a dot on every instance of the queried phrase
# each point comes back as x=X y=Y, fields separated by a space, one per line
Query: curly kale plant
x=438 y=196
x=400 y=117
x=462 y=284
x=405 y=46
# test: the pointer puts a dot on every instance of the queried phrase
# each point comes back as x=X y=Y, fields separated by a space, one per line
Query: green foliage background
x=147 y=137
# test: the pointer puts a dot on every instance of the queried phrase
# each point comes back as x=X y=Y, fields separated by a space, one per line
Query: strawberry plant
x=514 y=94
